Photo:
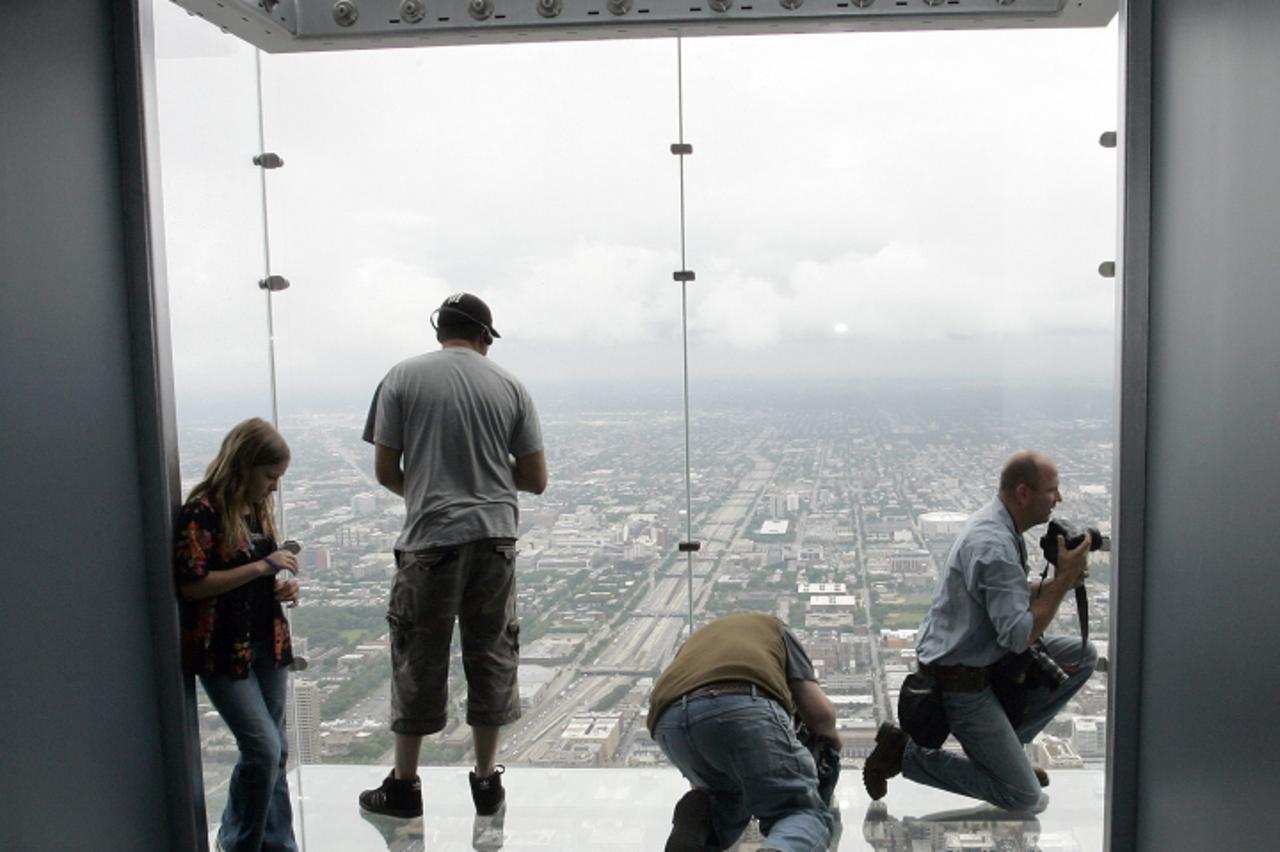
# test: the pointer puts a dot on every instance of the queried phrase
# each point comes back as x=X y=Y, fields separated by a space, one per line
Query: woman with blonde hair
x=234 y=634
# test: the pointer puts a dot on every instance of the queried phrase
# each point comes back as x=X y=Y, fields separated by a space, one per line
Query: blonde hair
x=250 y=444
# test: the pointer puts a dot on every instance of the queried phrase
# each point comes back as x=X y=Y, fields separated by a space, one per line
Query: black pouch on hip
x=920 y=711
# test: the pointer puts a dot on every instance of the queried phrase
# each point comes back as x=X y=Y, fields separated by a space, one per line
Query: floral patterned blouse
x=218 y=632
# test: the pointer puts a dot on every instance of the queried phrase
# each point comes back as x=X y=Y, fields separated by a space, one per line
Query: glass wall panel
x=897 y=239
x=208 y=119
x=540 y=178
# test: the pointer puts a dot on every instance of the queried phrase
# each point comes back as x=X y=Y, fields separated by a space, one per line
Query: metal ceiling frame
x=294 y=26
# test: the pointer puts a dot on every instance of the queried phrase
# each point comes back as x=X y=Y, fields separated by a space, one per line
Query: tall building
x=314 y=559
x=1089 y=735
x=306 y=719
x=364 y=503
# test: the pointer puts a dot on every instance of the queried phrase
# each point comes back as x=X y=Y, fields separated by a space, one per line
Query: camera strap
x=1082 y=612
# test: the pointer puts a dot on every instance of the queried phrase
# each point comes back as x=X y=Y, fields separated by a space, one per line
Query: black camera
x=1046 y=667
x=1032 y=667
x=826 y=757
x=1049 y=544
x=1049 y=541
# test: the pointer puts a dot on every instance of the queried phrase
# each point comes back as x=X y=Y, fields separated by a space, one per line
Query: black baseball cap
x=470 y=307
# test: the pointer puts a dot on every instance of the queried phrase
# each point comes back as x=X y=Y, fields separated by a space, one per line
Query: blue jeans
x=743 y=752
x=995 y=767
x=258 y=815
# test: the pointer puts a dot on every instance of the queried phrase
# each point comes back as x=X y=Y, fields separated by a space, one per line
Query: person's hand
x=1073 y=564
x=835 y=740
x=281 y=560
x=287 y=591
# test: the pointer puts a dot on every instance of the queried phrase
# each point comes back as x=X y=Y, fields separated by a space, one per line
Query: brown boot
x=885 y=760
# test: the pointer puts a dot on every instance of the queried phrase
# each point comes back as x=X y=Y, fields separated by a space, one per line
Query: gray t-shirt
x=458 y=418
x=799 y=666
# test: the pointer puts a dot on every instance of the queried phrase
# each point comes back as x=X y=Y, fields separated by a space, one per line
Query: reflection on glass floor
x=602 y=810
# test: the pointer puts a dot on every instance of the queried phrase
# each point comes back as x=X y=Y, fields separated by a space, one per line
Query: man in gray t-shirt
x=457 y=436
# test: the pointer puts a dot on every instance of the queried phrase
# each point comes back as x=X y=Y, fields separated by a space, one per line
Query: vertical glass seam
x=295 y=732
x=684 y=329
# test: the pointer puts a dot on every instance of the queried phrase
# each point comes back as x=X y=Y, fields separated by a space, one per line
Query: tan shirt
x=749 y=647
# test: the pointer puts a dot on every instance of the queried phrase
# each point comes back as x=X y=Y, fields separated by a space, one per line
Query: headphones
x=488 y=332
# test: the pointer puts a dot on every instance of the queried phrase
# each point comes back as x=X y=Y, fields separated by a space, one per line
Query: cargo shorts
x=473 y=583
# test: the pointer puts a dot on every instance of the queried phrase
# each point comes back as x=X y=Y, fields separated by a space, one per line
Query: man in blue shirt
x=984 y=610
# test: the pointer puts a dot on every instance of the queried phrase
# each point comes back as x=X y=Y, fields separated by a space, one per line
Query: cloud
x=738 y=309
x=380 y=315
x=603 y=293
x=941 y=194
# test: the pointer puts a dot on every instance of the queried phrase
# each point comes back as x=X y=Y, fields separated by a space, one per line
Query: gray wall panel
x=1210 y=681
x=80 y=715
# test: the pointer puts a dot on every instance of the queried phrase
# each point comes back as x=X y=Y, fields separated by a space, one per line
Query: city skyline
x=829 y=514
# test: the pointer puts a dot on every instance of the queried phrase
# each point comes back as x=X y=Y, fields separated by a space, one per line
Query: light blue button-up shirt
x=982 y=609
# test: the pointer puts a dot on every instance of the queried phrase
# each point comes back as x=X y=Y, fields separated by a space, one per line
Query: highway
x=642 y=640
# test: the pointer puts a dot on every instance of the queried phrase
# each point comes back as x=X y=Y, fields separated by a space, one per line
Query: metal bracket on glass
x=683 y=275
x=690 y=546
x=289 y=26
x=1108 y=139
x=1107 y=269
x=268 y=160
x=681 y=149
x=274 y=283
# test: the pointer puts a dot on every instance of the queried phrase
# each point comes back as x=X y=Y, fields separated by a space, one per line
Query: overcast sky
x=861 y=206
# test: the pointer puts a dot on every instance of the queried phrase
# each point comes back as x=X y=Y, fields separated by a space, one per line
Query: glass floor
x=594 y=810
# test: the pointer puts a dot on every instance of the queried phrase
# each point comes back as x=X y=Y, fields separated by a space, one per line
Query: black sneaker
x=691 y=829
x=487 y=793
x=395 y=798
